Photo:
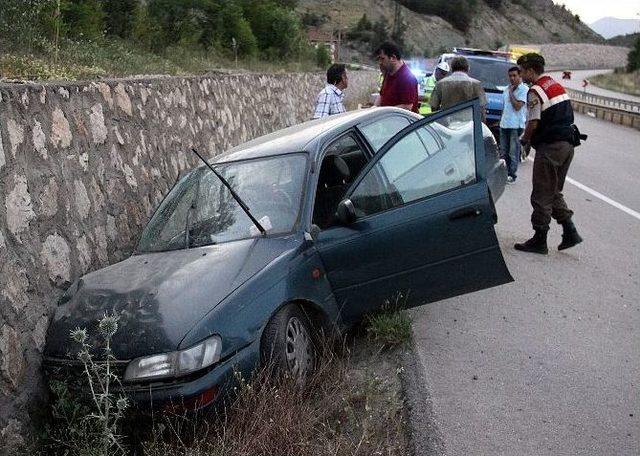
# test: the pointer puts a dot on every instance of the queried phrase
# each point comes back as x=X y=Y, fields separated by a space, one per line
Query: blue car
x=298 y=232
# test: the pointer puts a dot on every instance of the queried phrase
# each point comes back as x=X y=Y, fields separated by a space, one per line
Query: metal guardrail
x=614 y=115
x=605 y=102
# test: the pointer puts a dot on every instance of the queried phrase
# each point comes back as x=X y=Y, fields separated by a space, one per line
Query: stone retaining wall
x=82 y=166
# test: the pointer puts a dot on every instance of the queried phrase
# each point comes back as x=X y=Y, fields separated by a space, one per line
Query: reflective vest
x=556 y=112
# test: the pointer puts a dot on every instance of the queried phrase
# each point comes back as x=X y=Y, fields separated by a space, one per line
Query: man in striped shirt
x=330 y=98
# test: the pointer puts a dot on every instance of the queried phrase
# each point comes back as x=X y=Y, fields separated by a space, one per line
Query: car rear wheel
x=287 y=344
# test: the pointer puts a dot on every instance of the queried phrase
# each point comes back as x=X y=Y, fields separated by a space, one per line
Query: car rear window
x=382 y=130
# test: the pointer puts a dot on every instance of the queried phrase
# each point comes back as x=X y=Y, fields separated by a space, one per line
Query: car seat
x=332 y=185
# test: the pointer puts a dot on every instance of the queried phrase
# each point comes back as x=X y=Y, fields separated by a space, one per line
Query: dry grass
x=86 y=60
x=620 y=82
x=345 y=408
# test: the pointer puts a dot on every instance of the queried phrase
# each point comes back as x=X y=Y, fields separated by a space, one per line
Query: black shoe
x=537 y=244
x=570 y=236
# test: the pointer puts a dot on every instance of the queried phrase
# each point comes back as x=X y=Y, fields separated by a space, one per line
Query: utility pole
x=57 y=39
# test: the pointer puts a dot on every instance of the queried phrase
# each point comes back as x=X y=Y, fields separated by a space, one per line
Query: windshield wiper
x=236 y=197
x=192 y=206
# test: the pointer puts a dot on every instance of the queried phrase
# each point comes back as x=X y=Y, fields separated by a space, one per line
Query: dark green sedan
x=307 y=228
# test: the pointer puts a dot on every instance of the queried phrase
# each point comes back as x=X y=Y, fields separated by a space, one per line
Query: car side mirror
x=346 y=212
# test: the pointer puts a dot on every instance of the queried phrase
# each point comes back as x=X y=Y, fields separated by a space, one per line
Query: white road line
x=606 y=199
x=599 y=195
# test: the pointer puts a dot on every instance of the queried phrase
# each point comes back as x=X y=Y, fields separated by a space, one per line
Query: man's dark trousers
x=550 y=169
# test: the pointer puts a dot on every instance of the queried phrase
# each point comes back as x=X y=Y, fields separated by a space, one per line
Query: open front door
x=424 y=220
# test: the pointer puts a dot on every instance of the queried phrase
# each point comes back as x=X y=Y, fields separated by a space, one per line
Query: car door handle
x=449 y=170
x=464 y=213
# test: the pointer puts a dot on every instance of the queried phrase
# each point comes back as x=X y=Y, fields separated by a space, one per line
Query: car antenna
x=233 y=193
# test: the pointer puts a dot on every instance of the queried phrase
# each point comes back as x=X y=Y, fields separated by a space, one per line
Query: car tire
x=287 y=344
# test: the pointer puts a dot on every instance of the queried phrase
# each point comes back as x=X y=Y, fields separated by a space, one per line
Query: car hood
x=159 y=297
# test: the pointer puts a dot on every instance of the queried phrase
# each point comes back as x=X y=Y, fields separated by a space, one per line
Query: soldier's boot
x=570 y=236
x=537 y=244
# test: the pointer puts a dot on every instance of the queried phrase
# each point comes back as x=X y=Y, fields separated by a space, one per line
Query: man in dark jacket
x=549 y=131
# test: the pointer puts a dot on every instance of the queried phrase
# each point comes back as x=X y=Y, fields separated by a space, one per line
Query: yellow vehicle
x=517 y=51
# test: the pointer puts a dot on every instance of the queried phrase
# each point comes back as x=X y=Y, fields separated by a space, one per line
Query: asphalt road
x=549 y=364
x=577 y=76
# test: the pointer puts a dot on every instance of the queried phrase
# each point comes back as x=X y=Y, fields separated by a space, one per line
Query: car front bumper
x=195 y=392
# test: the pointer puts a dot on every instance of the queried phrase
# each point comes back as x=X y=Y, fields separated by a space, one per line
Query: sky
x=592 y=10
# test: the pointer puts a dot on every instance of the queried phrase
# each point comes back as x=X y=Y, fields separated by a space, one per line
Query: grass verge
x=351 y=405
x=628 y=83
x=85 y=60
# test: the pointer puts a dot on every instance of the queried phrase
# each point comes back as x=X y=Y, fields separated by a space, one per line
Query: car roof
x=307 y=135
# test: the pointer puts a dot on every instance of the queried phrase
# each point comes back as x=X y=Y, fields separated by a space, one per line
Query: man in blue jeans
x=514 y=117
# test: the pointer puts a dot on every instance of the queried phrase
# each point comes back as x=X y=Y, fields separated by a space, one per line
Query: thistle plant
x=107 y=409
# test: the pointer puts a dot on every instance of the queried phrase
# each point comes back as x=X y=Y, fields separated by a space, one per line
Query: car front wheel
x=287 y=344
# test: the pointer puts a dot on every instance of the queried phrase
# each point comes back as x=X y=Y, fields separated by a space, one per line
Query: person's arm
x=534 y=112
x=405 y=106
x=516 y=102
x=436 y=97
x=483 y=102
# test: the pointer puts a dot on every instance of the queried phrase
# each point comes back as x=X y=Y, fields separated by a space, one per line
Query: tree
x=83 y=19
x=119 y=16
x=633 y=58
x=364 y=24
x=277 y=29
x=234 y=26
x=380 y=34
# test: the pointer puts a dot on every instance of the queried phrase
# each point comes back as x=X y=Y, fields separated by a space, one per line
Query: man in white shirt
x=330 y=98
x=514 y=117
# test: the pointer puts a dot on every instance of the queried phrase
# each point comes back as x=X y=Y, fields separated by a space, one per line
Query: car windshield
x=493 y=74
x=200 y=210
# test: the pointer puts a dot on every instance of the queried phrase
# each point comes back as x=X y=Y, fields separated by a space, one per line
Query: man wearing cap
x=400 y=86
x=441 y=71
x=549 y=131
x=458 y=87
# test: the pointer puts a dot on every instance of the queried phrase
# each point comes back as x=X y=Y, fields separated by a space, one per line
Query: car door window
x=382 y=130
x=435 y=158
x=343 y=160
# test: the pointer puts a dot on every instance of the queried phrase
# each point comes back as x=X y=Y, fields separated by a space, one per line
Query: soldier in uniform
x=549 y=131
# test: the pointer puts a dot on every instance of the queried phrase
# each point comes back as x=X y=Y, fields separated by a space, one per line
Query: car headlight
x=175 y=364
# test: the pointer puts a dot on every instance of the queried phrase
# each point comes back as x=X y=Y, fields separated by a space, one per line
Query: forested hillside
x=86 y=38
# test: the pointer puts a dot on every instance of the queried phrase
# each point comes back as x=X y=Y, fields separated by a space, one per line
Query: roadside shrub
x=323 y=57
x=633 y=58
x=22 y=23
x=391 y=326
